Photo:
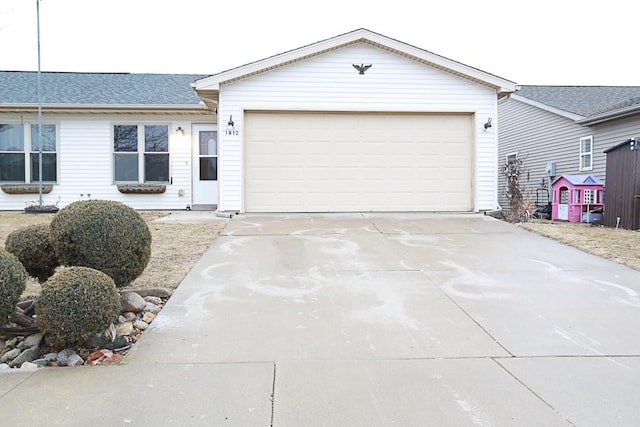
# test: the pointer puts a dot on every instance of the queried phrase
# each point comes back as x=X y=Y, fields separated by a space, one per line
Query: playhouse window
x=589 y=197
x=586 y=153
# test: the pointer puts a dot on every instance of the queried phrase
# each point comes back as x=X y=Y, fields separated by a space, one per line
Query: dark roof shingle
x=582 y=100
x=20 y=87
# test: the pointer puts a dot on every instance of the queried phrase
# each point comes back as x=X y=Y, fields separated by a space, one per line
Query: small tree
x=518 y=207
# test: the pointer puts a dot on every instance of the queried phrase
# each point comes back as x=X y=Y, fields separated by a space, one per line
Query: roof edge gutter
x=542 y=106
x=103 y=109
x=610 y=115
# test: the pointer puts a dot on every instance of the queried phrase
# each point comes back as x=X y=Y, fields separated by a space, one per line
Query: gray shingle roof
x=582 y=100
x=20 y=87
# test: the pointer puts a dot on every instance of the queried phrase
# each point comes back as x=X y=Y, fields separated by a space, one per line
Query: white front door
x=563 y=205
x=205 y=165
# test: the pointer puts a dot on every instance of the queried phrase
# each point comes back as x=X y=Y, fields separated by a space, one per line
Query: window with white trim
x=141 y=153
x=511 y=157
x=586 y=153
x=20 y=153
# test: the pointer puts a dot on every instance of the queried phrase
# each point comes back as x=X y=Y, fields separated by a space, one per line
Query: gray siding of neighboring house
x=540 y=137
x=612 y=133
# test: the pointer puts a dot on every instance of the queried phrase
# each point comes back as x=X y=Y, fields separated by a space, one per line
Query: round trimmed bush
x=32 y=246
x=77 y=303
x=13 y=280
x=102 y=234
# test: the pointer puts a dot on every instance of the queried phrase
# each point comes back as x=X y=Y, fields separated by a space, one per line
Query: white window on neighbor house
x=510 y=158
x=586 y=153
x=141 y=153
x=21 y=148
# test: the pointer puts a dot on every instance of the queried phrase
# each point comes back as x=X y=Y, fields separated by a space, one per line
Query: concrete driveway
x=377 y=320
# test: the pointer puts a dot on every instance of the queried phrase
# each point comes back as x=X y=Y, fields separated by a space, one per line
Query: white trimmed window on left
x=20 y=153
x=141 y=153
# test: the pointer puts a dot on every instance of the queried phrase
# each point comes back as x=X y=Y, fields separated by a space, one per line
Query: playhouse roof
x=581 y=179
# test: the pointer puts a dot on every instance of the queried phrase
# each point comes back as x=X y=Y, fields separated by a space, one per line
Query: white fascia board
x=546 y=107
x=362 y=35
x=102 y=108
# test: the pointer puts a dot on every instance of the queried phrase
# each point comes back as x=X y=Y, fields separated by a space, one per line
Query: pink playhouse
x=575 y=197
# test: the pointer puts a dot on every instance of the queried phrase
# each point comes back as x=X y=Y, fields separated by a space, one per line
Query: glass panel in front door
x=208 y=155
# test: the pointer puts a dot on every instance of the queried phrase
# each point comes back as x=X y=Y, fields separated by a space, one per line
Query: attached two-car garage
x=347 y=162
x=357 y=122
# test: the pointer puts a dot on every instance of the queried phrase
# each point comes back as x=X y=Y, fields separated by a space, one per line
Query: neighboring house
x=564 y=130
x=358 y=122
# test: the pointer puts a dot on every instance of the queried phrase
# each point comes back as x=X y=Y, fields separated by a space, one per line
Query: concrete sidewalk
x=368 y=320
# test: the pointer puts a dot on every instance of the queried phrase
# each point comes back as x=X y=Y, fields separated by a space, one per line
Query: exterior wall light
x=180 y=131
x=230 y=124
x=488 y=124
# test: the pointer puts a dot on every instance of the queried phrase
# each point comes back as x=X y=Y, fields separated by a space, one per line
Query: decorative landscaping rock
x=129 y=316
x=153 y=300
x=107 y=347
x=28 y=365
x=155 y=292
x=41 y=363
x=10 y=355
x=75 y=360
x=131 y=301
x=51 y=357
x=33 y=340
x=139 y=324
x=99 y=356
x=151 y=307
x=63 y=356
x=124 y=328
x=148 y=317
x=28 y=355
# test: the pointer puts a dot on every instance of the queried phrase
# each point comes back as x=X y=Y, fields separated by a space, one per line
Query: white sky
x=558 y=42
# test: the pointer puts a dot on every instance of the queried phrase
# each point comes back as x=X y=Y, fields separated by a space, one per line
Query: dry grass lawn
x=175 y=247
x=621 y=246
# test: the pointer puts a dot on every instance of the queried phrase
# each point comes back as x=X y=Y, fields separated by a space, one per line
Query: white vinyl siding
x=337 y=162
x=328 y=82
x=85 y=164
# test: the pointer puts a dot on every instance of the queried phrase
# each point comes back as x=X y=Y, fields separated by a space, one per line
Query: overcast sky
x=559 y=42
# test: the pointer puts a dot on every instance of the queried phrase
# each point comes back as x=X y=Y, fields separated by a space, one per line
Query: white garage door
x=340 y=162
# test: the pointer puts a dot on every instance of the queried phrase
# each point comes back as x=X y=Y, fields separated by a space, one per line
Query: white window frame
x=140 y=152
x=27 y=150
x=510 y=155
x=584 y=154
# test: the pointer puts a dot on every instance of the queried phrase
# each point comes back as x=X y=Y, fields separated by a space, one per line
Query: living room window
x=20 y=153
x=141 y=153
x=586 y=153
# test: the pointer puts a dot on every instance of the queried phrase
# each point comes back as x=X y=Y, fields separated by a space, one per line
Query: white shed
x=358 y=122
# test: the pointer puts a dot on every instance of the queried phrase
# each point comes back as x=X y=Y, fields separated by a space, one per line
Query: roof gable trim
x=358 y=36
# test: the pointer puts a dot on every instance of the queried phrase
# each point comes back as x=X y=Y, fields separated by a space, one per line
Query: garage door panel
x=315 y=162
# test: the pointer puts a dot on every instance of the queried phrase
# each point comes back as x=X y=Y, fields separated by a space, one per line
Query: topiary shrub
x=77 y=303
x=32 y=246
x=102 y=234
x=13 y=280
